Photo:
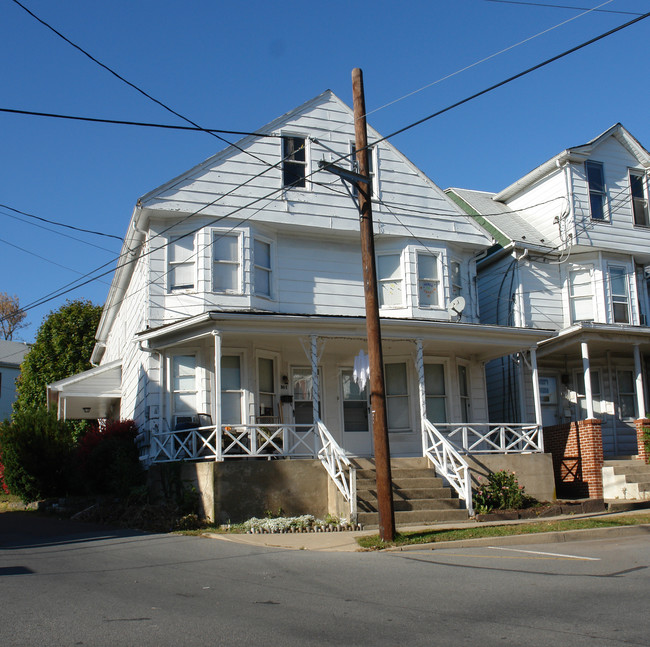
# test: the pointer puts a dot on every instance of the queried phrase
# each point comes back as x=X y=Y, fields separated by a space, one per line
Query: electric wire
x=561 y=6
x=420 y=121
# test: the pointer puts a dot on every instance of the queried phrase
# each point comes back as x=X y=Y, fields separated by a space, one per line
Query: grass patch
x=10 y=502
x=373 y=542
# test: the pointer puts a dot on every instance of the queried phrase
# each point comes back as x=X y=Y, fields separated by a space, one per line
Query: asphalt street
x=65 y=583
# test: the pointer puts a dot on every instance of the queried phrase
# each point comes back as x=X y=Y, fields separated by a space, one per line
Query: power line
x=120 y=122
x=346 y=155
x=61 y=224
x=563 y=6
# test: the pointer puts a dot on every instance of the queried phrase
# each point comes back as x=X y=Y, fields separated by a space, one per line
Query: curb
x=554 y=537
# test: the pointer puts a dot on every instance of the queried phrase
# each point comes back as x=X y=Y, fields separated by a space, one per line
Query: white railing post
x=419 y=362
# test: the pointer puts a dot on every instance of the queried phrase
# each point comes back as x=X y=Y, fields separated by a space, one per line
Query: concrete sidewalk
x=346 y=541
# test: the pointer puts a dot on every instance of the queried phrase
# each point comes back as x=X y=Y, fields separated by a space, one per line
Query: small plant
x=646 y=441
x=501 y=492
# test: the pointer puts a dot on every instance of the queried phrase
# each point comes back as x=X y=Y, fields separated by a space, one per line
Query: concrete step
x=626 y=480
x=404 y=483
x=414 y=504
x=408 y=494
x=370 y=520
x=632 y=470
x=400 y=472
x=416 y=462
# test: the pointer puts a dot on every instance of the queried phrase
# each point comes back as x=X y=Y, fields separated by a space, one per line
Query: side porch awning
x=89 y=395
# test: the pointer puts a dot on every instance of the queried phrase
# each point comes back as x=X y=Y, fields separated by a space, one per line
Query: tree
x=63 y=346
x=11 y=316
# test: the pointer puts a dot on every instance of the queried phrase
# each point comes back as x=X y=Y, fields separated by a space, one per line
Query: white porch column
x=216 y=396
x=640 y=397
x=314 y=377
x=587 y=373
x=536 y=395
x=419 y=364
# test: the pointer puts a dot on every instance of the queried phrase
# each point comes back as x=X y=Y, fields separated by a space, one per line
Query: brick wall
x=577 y=450
x=641 y=425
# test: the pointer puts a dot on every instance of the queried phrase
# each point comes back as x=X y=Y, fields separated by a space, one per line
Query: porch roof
x=481 y=341
x=600 y=338
x=88 y=395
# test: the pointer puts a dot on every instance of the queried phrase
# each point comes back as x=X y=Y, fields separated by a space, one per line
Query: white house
x=572 y=254
x=237 y=311
x=12 y=354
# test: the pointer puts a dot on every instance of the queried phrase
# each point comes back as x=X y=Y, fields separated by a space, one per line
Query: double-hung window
x=597 y=193
x=619 y=294
x=626 y=394
x=389 y=280
x=232 y=394
x=225 y=263
x=456 y=279
x=639 y=195
x=262 y=263
x=435 y=392
x=183 y=390
x=428 y=281
x=180 y=257
x=581 y=295
x=294 y=162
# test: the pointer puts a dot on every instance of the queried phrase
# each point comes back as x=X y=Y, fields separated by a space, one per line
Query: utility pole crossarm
x=345 y=174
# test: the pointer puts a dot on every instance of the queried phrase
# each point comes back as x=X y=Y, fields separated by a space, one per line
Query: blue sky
x=238 y=65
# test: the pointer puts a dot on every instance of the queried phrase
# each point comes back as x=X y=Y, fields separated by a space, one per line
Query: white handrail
x=448 y=463
x=339 y=467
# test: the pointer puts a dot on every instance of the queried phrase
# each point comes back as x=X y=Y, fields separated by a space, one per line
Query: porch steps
x=626 y=479
x=419 y=496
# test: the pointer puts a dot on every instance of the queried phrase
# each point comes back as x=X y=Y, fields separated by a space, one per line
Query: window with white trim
x=597 y=190
x=428 y=281
x=302 y=388
x=639 y=196
x=232 y=393
x=389 y=280
x=262 y=268
x=371 y=168
x=225 y=263
x=619 y=294
x=435 y=392
x=266 y=387
x=581 y=294
x=294 y=162
x=183 y=390
x=463 y=392
x=397 y=397
x=455 y=279
x=180 y=260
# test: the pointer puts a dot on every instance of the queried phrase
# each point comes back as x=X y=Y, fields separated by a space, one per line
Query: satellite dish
x=456 y=306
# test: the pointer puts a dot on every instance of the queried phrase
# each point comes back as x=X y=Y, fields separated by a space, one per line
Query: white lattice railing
x=339 y=467
x=448 y=463
x=487 y=438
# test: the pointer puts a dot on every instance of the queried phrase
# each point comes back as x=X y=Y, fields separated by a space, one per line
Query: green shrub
x=501 y=492
x=37 y=452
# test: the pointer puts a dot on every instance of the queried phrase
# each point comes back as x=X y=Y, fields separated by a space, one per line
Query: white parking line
x=537 y=552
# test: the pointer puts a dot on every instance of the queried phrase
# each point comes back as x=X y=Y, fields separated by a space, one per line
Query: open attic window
x=294 y=162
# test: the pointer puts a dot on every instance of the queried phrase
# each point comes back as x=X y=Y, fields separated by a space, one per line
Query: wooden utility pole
x=375 y=355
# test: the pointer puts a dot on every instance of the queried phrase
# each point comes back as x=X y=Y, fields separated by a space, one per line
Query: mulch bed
x=546 y=510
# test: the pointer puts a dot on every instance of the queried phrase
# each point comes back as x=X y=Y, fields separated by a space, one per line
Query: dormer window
x=638 y=192
x=294 y=162
x=597 y=195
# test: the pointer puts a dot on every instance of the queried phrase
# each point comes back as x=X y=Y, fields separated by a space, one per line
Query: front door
x=357 y=432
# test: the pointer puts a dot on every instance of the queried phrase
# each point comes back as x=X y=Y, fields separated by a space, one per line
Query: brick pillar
x=641 y=425
x=591 y=452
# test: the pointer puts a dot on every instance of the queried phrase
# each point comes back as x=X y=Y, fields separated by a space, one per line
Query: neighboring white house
x=573 y=255
x=12 y=354
x=239 y=308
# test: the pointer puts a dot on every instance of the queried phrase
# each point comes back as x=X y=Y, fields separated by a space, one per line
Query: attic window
x=597 y=195
x=294 y=162
x=639 y=199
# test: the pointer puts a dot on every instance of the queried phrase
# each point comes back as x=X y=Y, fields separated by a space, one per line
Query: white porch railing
x=261 y=441
x=339 y=467
x=448 y=463
x=487 y=438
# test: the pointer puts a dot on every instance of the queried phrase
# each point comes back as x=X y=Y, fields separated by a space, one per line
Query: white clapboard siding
x=541 y=289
